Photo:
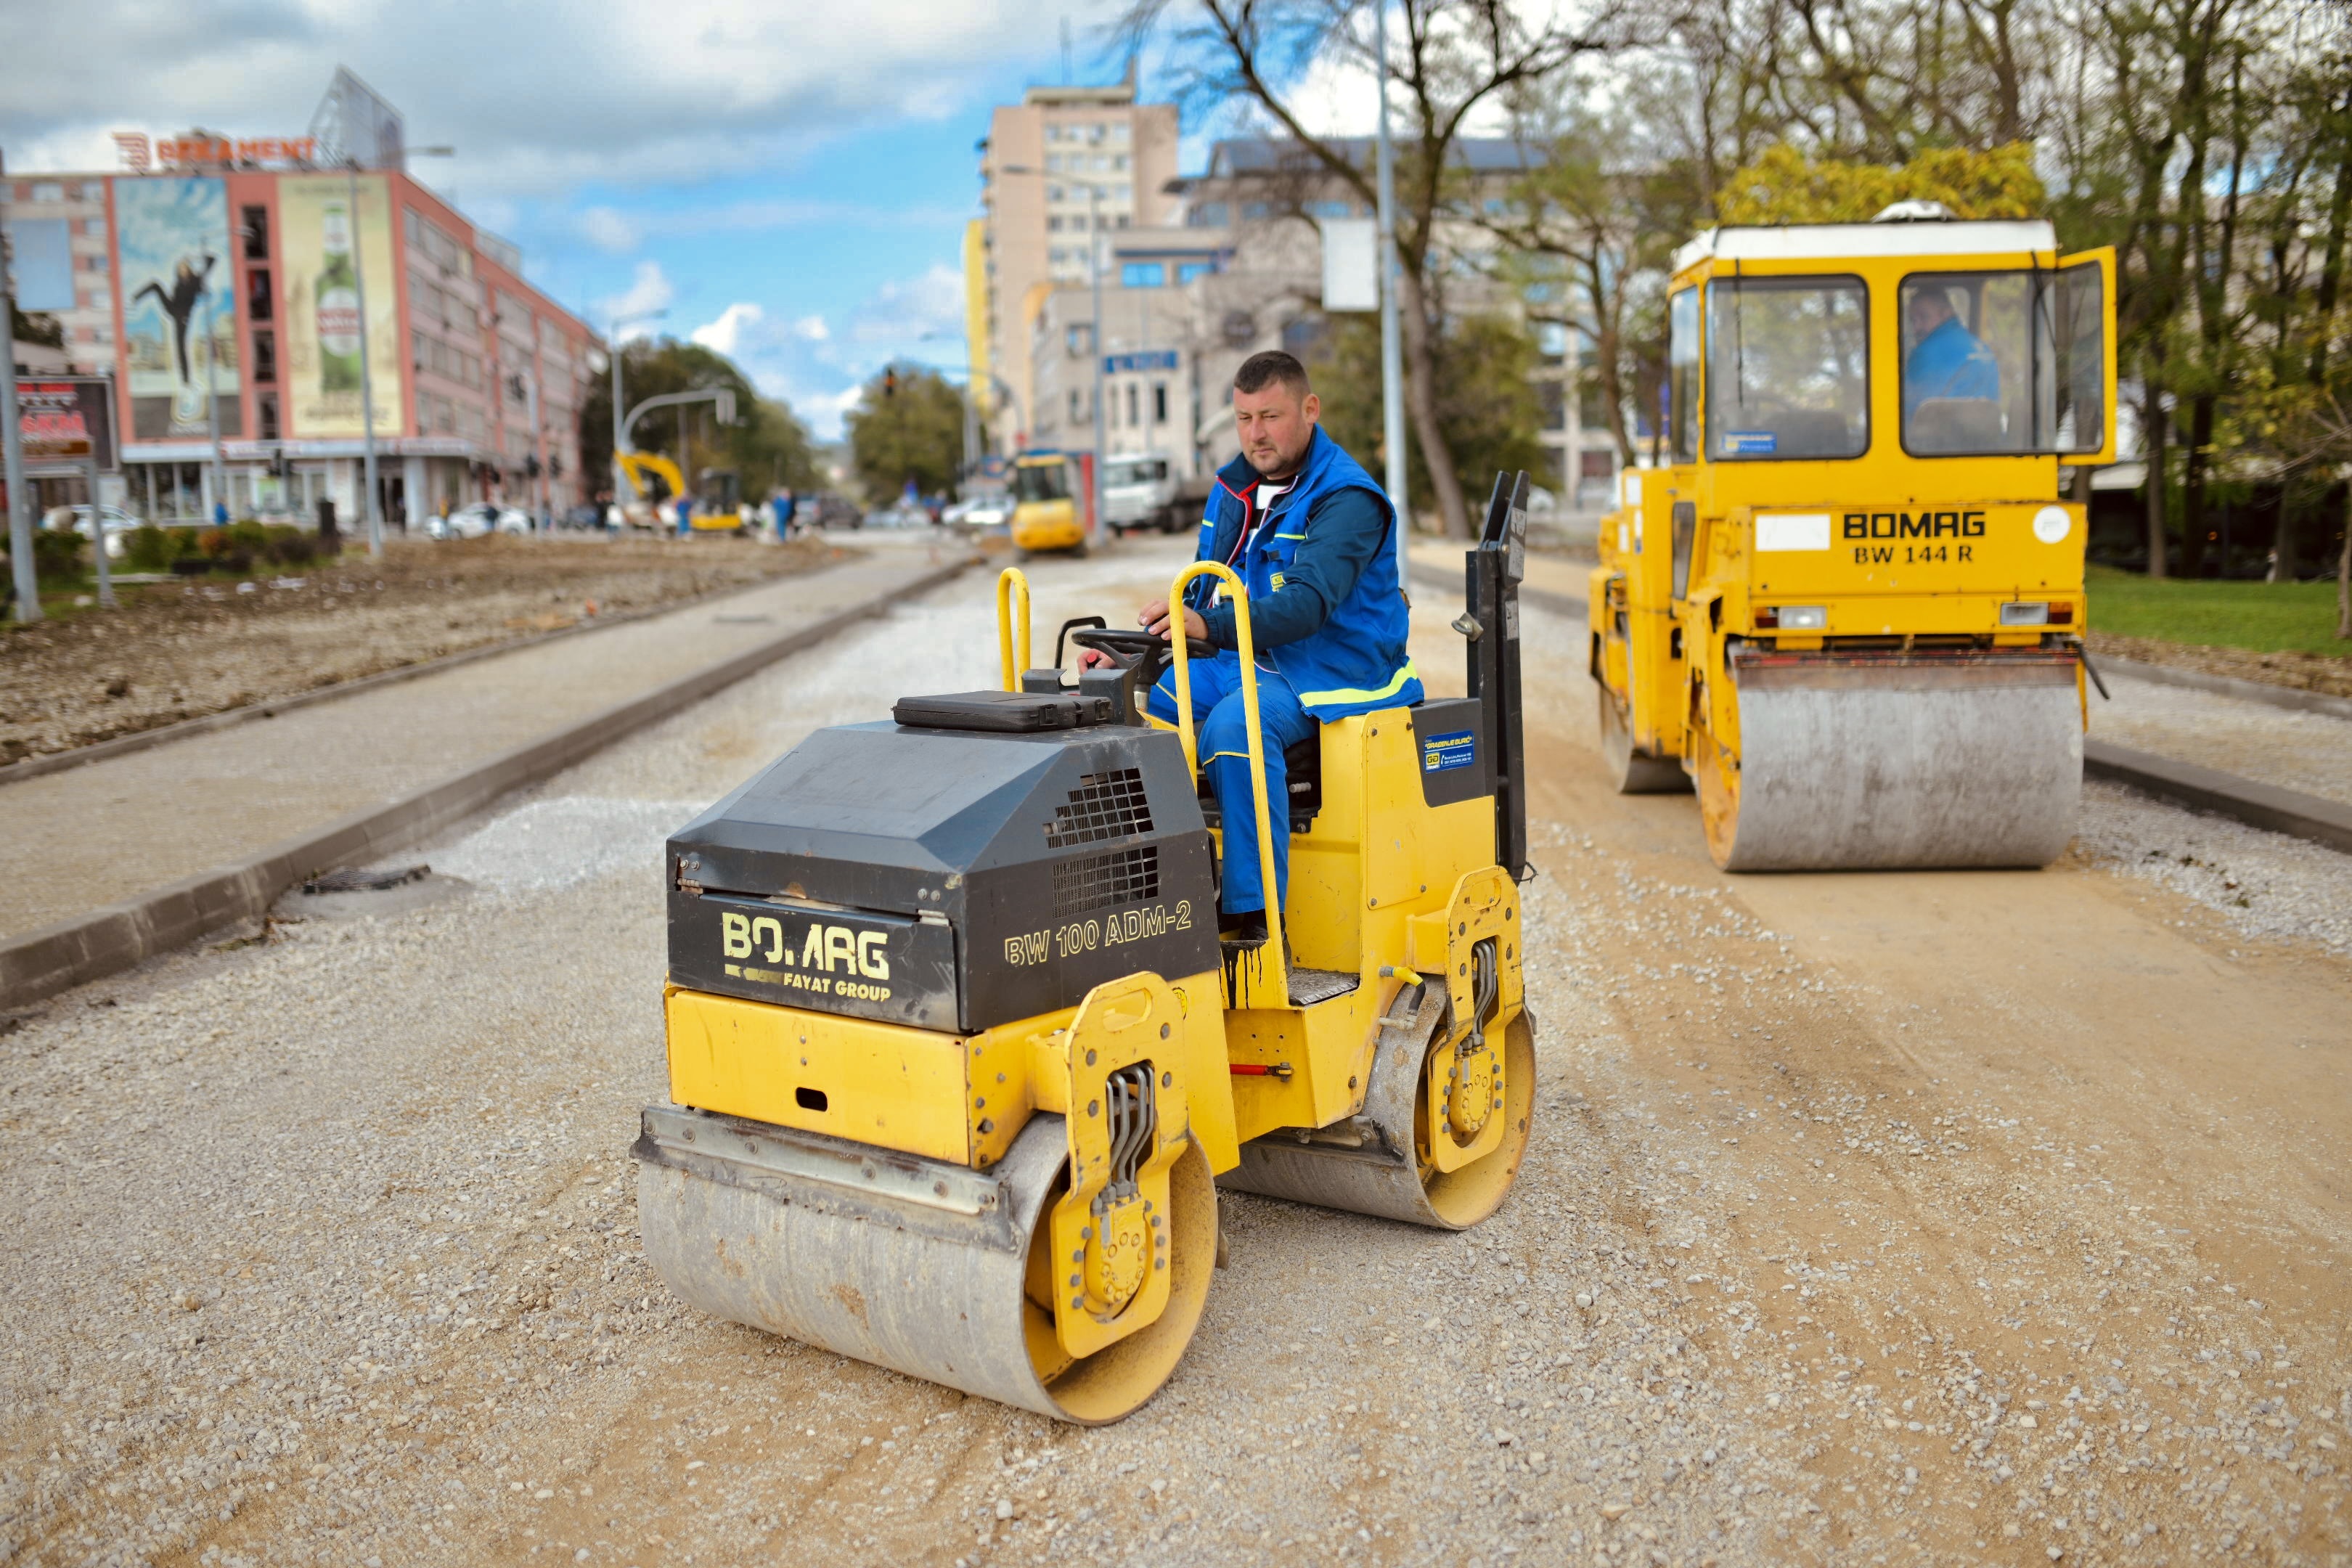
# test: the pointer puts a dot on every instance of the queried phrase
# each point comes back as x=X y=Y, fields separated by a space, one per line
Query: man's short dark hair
x=1261 y=371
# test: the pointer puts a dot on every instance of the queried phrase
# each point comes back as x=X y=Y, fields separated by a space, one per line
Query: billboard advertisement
x=64 y=421
x=328 y=247
x=179 y=306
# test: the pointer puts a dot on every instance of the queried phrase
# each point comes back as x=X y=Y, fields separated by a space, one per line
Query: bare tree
x=1448 y=60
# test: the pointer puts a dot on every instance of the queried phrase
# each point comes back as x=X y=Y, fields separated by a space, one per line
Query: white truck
x=1142 y=491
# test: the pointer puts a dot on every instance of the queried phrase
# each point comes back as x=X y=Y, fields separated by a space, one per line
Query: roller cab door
x=2083 y=324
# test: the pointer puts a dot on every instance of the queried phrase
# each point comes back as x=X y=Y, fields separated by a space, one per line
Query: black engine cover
x=952 y=879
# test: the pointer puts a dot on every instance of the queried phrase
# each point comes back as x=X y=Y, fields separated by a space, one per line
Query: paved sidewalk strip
x=216 y=827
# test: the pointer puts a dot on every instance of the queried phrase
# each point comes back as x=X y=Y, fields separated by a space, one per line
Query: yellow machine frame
x=1235 y=1059
x=639 y=466
x=1059 y=525
x=1659 y=656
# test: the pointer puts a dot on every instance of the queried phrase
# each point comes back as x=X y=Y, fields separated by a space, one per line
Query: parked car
x=514 y=520
x=829 y=511
x=993 y=511
x=119 y=524
x=902 y=516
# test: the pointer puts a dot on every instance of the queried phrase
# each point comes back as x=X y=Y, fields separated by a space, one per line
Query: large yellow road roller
x=1849 y=605
x=958 y=1055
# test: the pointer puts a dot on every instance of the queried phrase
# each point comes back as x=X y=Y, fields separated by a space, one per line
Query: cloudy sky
x=790 y=180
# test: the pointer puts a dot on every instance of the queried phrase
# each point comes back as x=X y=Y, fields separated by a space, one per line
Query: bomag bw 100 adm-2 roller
x=956 y=1058
x=1849 y=608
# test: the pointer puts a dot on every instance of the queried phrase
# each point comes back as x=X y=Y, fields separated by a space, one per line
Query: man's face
x=1276 y=427
x=1929 y=309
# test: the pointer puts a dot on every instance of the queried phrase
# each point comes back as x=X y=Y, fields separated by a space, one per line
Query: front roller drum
x=925 y=1268
x=1377 y=1162
x=1934 y=761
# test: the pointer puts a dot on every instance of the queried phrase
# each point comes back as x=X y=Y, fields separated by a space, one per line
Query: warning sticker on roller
x=1443 y=753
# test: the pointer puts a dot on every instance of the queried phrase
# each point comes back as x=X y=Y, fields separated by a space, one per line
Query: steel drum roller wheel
x=734 y=1227
x=1385 y=1174
x=1629 y=771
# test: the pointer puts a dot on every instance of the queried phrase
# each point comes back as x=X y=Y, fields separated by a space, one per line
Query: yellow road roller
x=958 y=1057
x=1052 y=502
x=1848 y=604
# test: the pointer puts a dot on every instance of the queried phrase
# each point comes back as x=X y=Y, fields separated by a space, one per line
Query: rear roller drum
x=1382 y=1161
x=1632 y=771
x=929 y=1270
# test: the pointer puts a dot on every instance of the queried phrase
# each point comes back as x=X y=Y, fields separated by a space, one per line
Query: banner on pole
x=1351 y=272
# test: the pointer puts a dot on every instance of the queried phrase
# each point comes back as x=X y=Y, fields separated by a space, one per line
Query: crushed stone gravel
x=322 y=1251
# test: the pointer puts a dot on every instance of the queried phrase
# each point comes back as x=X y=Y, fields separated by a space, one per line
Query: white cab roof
x=1836 y=241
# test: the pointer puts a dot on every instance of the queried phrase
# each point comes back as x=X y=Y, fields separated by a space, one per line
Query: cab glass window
x=1041 y=482
x=1682 y=374
x=2003 y=363
x=1787 y=370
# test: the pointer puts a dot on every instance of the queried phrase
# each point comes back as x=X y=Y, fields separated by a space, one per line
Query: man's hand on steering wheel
x=1155 y=618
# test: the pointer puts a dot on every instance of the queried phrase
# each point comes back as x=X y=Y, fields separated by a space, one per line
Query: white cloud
x=608 y=231
x=903 y=311
x=726 y=334
x=616 y=92
x=650 y=291
x=812 y=328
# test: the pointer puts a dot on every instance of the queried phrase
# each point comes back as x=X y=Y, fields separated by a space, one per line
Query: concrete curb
x=163 y=734
x=108 y=941
x=1541 y=598
x=2261 y=692
x=2208 y=789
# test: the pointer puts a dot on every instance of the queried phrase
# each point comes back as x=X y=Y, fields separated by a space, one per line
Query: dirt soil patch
x=177 y=651
x=2303 y=671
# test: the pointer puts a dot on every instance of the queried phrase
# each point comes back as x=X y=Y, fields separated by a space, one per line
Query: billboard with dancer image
x=179 y=306
x=328 y=246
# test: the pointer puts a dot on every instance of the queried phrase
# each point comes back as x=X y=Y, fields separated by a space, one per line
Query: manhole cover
x=356 y=879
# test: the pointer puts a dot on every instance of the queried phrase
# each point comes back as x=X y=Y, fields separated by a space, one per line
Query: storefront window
x=1788 y=369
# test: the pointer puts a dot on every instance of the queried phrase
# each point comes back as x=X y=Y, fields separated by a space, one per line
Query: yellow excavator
x=958 y=1056
x=657 y=483
x=1848 y=604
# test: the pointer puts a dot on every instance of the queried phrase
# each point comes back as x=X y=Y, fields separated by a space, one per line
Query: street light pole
x=1391 y=345
x=620 y=431
x=212 y=417
x=1094 y=264
x=367 y=379
x=12 y=458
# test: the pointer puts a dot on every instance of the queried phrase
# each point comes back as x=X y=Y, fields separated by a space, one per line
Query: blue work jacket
x=1344 y=649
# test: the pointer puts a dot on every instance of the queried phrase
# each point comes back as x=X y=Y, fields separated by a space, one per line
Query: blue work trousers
x=1223 y=735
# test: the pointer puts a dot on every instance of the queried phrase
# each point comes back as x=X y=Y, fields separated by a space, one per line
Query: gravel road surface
x=1895 y=1218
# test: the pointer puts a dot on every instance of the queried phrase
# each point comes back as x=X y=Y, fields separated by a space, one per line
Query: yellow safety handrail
x=1009 y=583
x=1239 y=593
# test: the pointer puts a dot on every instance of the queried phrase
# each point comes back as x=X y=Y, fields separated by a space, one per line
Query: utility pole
x=367 y=380
x=1094 y=260
x=1392 y=346
x=621 y=485
x=12 y=458
x=212 y=412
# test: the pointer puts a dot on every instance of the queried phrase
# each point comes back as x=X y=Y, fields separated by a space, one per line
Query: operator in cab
x=1313 y=537
x=1946 y=360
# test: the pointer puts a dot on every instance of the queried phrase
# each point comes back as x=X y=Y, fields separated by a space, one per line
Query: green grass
x=2267 y=618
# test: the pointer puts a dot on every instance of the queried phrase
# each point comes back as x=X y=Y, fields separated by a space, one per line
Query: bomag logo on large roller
x=1912 y=525
x=830 y=959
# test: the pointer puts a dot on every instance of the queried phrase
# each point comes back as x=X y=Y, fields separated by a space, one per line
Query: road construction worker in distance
x=1308 y=531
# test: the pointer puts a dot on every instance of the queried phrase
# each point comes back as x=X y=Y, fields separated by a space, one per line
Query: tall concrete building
x=1059 y=167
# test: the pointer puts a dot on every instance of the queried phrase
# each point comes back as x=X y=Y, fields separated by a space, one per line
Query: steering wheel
x=1129 y=647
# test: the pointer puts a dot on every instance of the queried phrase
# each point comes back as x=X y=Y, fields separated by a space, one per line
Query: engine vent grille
x=1104 y=805
x=1103 y=881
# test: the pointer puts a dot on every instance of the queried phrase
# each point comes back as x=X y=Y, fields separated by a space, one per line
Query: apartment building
x=223 y=293
x=1060 y=168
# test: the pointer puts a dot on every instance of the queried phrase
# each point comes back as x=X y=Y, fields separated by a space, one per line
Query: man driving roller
x=1302 y=524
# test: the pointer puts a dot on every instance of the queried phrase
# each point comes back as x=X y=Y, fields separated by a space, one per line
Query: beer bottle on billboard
x=339 y=304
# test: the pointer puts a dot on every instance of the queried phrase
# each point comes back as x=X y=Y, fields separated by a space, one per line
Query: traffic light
x=530 y=466
x=890 y=383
